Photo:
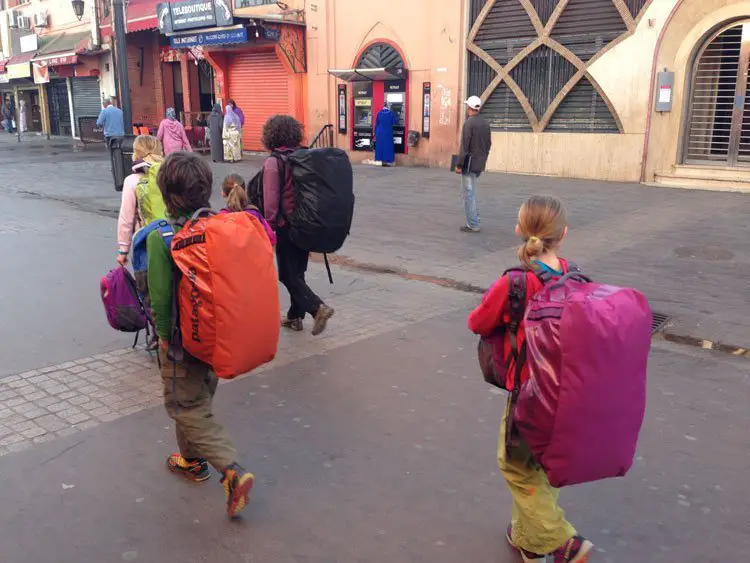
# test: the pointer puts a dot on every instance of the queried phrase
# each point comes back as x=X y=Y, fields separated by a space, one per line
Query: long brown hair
x=233 y=188
x=542 y=223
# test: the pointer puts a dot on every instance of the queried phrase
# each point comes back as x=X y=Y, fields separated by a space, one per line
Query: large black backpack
x=323 y=184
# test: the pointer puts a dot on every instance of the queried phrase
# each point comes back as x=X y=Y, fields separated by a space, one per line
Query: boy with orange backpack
x=197 y=262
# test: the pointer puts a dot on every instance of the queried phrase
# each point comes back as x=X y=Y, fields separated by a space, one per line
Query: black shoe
x=473 y=230
x=193 y=469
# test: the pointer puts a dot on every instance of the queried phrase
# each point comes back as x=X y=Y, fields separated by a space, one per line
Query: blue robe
x=384 y=150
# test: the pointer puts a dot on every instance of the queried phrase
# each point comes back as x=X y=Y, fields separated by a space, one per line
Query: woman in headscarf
x=172 y=134
x=215 y=127
x=232 y=137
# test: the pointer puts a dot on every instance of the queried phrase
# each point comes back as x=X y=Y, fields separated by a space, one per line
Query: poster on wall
x=426 y=103
x=342 y=108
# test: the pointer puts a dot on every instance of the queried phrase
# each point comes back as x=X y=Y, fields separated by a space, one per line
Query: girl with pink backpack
x=538 y=526
x=573 y=355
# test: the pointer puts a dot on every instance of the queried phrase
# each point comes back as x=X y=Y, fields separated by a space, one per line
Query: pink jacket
x=172 y=136
x=128 y=222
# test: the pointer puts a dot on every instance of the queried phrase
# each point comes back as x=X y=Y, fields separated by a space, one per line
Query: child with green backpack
x=142 y=201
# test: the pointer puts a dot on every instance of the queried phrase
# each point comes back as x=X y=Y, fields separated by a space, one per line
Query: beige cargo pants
x=189 y=389
x=539 y=524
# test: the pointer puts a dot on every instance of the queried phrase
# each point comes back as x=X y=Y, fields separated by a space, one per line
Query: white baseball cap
x=474 y=102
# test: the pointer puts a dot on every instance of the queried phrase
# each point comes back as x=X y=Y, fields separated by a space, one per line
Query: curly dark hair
x=282 y=131
x=185 y=182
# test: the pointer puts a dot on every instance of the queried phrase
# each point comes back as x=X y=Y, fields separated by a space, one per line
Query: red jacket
x=494 y=312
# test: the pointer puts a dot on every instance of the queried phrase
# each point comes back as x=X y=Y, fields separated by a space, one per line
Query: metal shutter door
x=87 y=100
x=259 y=84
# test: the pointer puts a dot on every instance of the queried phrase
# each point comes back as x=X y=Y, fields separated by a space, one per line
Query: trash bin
x=121 y=153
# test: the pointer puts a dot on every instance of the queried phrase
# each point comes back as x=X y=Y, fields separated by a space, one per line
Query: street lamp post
x=78 y=8
x=121 y=60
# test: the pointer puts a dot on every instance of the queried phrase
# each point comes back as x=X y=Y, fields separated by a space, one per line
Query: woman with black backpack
x=282 y=135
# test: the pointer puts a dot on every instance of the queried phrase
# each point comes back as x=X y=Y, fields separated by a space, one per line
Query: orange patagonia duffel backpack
x=228 y=293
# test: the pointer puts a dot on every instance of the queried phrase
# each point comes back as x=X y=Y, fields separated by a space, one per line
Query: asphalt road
x=384 y=450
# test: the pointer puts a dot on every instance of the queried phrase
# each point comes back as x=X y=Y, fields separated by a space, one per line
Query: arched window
x=718 y=129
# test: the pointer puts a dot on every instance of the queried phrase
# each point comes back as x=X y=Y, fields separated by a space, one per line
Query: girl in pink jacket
x=147 y=151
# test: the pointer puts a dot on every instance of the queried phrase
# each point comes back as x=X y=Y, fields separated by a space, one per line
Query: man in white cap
x=476 y=142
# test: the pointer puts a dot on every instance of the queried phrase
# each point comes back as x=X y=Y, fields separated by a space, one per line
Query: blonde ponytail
x=542 y=222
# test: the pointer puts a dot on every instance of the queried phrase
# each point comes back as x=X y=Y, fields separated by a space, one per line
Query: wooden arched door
x=718 y=129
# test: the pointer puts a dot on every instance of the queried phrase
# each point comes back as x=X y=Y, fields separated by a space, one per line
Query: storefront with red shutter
x=261 y=65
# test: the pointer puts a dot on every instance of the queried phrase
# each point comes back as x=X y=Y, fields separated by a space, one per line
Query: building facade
x=409 y=54
x=50 y=65
x=629 y=90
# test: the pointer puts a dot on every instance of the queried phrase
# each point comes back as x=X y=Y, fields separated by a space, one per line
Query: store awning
x=141 y=17
x=19 y=66
x=362 y=74
x=61 y=49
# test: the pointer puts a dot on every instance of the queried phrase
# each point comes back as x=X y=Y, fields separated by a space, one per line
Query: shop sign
x=41 y=74
x=395 y=86
x=4 y=78
x=19 y=70
x=271 y=34
x=193 y=14
x=362 y=89
x=59 y=61
x=342 y=108
x=223 y=37
x=29 y=43
x=426 y=108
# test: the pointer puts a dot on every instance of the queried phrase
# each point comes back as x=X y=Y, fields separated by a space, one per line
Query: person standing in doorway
x=22 y=116
x=112 y=121
x=172 y=134
x=215 y=135
x=476 y=142
x=8 y=111
x=384 y=144
x=231 y=135
x=282 y=135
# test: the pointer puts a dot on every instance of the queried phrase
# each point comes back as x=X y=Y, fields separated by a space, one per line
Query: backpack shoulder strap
x=167 y=232
x=516 y=303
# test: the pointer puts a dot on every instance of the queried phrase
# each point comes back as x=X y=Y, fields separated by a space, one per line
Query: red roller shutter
x=259 y=84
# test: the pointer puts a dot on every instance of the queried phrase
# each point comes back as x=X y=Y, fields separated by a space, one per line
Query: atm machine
x=395 y=94
x=363 y=121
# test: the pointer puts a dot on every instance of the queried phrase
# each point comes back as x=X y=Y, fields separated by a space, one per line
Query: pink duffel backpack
x=581 y=410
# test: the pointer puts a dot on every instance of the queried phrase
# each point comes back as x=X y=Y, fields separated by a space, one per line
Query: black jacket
x=476 y=141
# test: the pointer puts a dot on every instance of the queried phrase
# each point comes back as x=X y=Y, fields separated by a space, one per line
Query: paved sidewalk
x=51 y=402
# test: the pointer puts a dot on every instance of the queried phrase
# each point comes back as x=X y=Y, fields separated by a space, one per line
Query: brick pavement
x=47 y=403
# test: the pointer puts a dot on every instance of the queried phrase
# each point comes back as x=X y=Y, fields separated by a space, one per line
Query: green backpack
x=150 y=202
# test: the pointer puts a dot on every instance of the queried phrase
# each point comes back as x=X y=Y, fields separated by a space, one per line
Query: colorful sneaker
x=292 y=324
x=237 y=484
x=321 y=319
x=575 y=550
x=527 y=556
x=192 y=469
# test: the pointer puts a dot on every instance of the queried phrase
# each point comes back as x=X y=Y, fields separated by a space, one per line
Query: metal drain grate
x=658 y=322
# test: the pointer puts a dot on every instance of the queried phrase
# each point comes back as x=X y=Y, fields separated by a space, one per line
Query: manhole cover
x=659 y=320
x=704 y=253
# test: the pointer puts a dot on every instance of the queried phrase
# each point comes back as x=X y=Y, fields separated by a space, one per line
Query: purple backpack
x=123 y=305
x=581 y=410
